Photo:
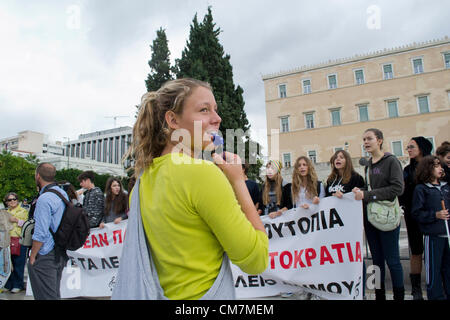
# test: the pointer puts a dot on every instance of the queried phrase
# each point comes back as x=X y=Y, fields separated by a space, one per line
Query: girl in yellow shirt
x=193 y=211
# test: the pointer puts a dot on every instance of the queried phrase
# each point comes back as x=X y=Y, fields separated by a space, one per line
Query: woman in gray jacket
x=386 y=181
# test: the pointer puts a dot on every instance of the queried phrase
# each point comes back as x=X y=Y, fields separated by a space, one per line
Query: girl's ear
x=172 y=120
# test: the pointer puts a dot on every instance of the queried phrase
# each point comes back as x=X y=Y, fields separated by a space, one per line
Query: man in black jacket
x=94 y=200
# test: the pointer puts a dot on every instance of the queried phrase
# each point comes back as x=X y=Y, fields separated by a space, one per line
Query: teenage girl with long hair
x=116 y=203
x=195 y=215
x=273 y=191
x=306 y=188
x=386 y=180
x=343 y=177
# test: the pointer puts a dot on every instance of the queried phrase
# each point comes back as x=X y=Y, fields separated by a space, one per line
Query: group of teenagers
x=188 y=217
x=101 y=208
x=420 y=187
x=187 y=221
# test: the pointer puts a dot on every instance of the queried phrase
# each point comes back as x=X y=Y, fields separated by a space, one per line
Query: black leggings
x=415 y=236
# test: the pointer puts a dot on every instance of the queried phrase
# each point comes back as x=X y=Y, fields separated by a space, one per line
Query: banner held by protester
x=317 y=250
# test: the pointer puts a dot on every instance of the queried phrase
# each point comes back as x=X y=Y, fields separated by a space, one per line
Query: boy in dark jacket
x=94 y=200
x=427 y=209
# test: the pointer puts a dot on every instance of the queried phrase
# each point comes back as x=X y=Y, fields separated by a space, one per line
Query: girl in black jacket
x=343 y=177
x=417 y=148
x=432 y=218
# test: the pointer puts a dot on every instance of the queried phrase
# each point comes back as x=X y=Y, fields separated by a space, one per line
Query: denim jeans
x=18 y=263
x=384 y=246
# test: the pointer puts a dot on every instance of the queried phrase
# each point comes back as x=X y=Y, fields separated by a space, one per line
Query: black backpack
x=73 y=229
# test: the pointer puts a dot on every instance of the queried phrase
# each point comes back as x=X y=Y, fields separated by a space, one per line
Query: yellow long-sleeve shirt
x=191 y=216
x=21 y=214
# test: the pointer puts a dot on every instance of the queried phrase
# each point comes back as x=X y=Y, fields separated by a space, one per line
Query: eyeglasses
x=410 y=147
x=12 y=199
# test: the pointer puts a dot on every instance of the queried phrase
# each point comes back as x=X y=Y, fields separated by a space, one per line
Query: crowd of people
x=421 y=188
x=111 y=207
x=186 y=222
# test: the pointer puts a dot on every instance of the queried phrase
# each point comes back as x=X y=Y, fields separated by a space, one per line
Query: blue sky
x=66 y=66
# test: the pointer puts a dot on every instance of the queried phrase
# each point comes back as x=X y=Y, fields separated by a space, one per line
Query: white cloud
x=64 y=81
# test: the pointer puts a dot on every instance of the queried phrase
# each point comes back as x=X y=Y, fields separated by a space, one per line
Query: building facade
x=404 y=92
x=101 y=149
x=32 y=142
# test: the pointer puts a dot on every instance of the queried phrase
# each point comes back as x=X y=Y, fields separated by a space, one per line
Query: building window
x=423 y=104
x=359 y=76
x=287 y=160
x=418 y=65
x=284 y=124
x=306 y=86
x=397 y=148
x=387 y=72
x=282 y=90
x=363 y=113
x=337 y=149
x=309 y=120
x=392 y=109
x=336 y=117
x=431 y=139
x=312 y=156
x=447 y=60
x=332 y=81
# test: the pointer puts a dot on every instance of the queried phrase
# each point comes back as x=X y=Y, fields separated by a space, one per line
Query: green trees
x=204 y=58
x=160 y=69
x=17 y=175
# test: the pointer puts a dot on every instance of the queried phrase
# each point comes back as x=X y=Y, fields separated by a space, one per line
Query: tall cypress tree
x=203 y=58
x=160 y=69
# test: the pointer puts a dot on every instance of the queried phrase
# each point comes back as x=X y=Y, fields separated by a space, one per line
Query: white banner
x=91 y=270
x=318 y=250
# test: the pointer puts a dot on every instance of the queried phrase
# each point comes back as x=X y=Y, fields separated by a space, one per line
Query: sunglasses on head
x=11 y=199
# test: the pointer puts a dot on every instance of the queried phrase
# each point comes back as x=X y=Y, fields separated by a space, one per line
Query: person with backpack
x=45 y=266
